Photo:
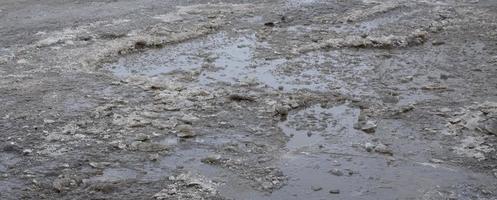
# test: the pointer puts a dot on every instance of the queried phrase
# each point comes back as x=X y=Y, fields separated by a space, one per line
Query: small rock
x=369 y=146
x=48 y=121
x=269 y=24
x=240 y=97
x=444 y=76
x=437 y=161
x=282 y=110
x=189 y=119
x=455 y=120
x=334 y=191
x=405 y=109
x=316 y=188
x=491 y=126
x=63 y=184
x=27 y=151
x=154 y=157
x=267 y=185
x=99 y=165
x=212 y=159
x=369 y=127
x=381 y=148
x=185 y=131
x=118 y=144
x=437 y=43
x=142 y=137
x=336 y=172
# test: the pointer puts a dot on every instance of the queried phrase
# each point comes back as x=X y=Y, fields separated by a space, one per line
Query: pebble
x=212 y=159
x=369 y=146
x=267 y=185
x=27 y=151
x=316 y=188
x=369 y=127
x=381 y=148
x=491 y=126
x=437 y=161
x=142 y=137
x=334 y=191
x=154 y=157
x=336 y=172
x=185 y=131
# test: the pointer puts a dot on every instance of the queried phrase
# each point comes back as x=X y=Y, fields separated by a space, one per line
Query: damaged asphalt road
x=279 y=99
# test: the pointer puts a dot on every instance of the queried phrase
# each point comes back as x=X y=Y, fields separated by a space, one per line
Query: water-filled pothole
x=331 y=163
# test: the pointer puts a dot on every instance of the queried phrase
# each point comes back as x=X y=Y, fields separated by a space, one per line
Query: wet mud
x=248 y=100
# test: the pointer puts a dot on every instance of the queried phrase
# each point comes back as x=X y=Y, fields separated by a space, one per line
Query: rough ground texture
x=274 y=99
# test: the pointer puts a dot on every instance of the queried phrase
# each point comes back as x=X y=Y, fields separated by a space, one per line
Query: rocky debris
x=188 y=186
x=274 y=178
x=474 y=147
x=417 y=37
x=185 y=131
x=477 y=123
x=65 y=183
x=379 y=148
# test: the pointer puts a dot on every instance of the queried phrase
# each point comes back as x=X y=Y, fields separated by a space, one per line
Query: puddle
x=148 y=64
x=116 y=174
x=240 y=60
x=340 y=165
x=322 y=125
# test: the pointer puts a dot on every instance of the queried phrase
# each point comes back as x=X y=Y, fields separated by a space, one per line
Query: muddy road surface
x=274 y=99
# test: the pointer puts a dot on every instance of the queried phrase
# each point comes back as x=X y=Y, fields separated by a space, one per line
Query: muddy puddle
x=238 y=60
x=331 y=163
x=326 y=156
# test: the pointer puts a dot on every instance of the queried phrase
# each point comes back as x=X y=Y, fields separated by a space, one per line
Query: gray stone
x=334 y=191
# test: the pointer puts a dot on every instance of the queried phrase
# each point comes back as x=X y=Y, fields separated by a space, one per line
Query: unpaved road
x=289 y=99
